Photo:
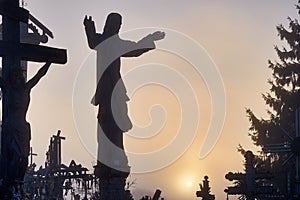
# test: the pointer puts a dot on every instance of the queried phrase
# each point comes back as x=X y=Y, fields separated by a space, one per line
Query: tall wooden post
x=13 y=51
x=10 y=34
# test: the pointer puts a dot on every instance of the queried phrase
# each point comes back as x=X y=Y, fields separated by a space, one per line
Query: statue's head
x=113 y=23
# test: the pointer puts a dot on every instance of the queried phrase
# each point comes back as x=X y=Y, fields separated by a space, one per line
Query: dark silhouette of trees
x=282 y=101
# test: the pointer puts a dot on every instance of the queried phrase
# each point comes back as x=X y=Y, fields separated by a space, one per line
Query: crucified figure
x=17 y=129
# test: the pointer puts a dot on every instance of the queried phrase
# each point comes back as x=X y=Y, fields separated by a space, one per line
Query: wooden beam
x=31 y=52
x=13 y=12
x=36 y=22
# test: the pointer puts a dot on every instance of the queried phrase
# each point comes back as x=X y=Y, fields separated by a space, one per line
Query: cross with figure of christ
x=13 y=52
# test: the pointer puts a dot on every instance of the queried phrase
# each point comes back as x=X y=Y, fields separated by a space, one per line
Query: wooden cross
x=31 y=154
x=57 y=147
x=32 y=37
x=12 y=52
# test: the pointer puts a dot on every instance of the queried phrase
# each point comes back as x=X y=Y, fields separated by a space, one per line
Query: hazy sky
x=238 y=35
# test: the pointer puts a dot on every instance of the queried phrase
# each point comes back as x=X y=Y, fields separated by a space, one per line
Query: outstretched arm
x=135 y=49
x=42 y=72
x=93 y=38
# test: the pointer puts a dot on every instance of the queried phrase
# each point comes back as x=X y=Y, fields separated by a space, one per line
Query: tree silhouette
x=282 y=101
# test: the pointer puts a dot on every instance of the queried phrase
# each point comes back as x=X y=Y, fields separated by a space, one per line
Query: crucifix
x=16 y=99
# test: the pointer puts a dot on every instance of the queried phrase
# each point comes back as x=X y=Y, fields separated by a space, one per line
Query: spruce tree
x=282 y=100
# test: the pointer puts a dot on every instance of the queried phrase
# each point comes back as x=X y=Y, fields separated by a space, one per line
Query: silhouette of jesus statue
x=110 y=96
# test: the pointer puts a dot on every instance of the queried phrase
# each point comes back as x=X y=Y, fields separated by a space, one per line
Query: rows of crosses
x=13 y=51
x=57 y=175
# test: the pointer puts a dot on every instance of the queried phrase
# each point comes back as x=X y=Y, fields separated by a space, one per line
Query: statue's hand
x=88 y=20
x=158 y=35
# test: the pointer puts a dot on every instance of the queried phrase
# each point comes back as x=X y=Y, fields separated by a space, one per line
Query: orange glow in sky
x=239 y=37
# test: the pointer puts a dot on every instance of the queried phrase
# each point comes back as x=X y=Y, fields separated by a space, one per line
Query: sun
x=189 y=183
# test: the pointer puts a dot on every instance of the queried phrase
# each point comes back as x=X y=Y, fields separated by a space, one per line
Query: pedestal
x=111 y=182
